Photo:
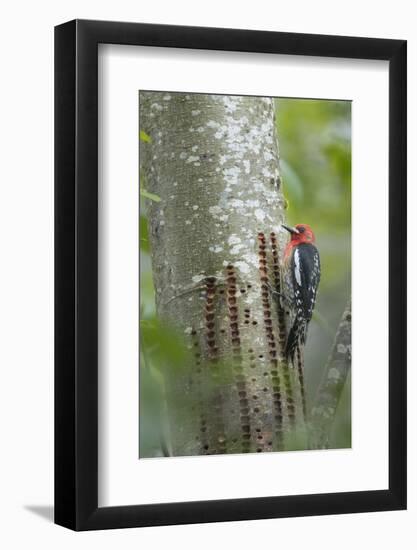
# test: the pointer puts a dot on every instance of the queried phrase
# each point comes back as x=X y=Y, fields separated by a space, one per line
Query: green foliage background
x=315 y=151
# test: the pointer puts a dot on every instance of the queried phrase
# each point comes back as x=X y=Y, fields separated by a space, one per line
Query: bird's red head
x=300 y=233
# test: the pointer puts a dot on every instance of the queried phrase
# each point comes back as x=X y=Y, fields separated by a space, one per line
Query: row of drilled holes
x=256 y=410
x=233 y=314
x=282 y=335
x=275 y=382
x=258 y=434
x=213 y=359
x=277 y=281
x=235 y=337
x=202 y=415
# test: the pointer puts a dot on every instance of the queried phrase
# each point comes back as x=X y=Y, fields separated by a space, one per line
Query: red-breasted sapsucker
x=301 y=277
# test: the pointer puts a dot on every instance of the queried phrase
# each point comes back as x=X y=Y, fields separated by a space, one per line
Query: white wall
x=26 y=292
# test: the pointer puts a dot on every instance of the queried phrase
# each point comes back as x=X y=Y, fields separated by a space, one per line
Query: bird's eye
x=301 y=229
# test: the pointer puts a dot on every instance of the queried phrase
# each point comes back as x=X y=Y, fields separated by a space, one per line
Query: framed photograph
x=230 y=337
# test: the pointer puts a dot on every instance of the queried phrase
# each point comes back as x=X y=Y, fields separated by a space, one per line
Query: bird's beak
x=291 y=230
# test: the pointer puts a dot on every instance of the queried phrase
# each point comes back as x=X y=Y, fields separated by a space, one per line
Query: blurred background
x=315 y=150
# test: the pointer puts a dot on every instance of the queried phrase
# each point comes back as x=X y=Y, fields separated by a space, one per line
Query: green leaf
x=144 y=192
x=150 y=196
x=143 y=235
x=151 y=404
x=145 y=137
x=164 y=346
x=147 y=296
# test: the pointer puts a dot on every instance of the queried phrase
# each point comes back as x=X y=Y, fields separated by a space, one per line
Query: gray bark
x=216 y=241
x=333 y=382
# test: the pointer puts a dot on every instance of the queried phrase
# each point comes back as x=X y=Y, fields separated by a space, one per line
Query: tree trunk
x=333 y=382
x=216 y=241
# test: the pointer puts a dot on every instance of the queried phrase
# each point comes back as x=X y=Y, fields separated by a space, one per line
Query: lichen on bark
x=216 y=242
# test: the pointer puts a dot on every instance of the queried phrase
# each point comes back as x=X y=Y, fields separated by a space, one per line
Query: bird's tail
x=293 y=341
x=294 y=352
x=300 y=369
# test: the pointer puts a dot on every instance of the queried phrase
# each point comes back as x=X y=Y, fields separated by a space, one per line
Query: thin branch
x=331 y=387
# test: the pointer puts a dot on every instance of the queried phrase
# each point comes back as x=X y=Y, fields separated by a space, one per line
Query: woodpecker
x=301 y=277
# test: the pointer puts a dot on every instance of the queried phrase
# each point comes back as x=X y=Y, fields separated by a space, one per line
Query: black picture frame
x=76 y=272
